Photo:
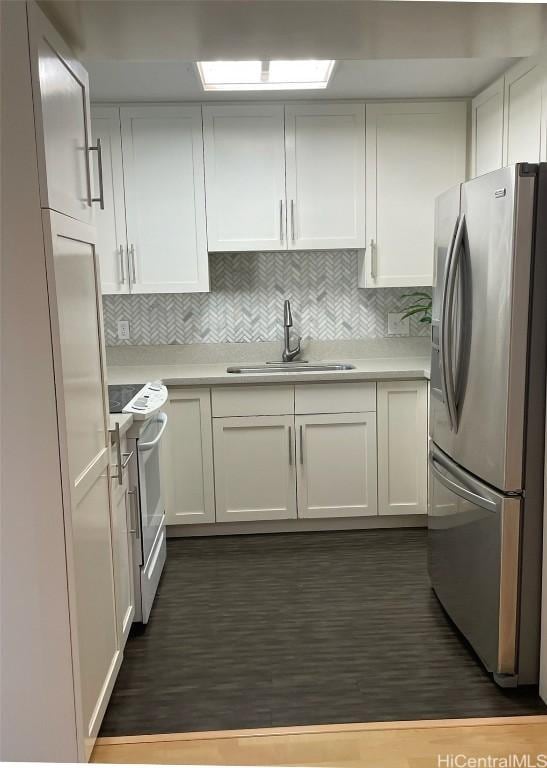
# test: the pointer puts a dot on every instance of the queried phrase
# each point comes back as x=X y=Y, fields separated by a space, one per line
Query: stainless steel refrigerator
x=487 y=414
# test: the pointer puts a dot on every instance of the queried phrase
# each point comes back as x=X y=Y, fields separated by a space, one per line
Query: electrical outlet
x=396 y=326
x=123 y=330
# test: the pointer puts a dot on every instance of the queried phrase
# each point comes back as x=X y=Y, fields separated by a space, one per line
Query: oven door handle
x=162 y=419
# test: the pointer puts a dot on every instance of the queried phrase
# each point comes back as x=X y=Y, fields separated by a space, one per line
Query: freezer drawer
x=473 y=551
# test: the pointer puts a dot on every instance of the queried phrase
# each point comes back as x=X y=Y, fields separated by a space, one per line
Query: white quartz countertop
x=125 y=420
x=176 y=367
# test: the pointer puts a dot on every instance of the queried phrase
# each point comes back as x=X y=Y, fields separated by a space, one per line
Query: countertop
x=125 y=420
x=137 y=365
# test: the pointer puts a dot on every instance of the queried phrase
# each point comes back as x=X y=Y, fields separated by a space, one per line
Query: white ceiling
x=372 y=79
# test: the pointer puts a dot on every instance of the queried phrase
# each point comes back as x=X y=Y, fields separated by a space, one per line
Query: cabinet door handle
x=372 y=259
x=301 y=444
x=98 y=149
x=281 y=228
x=290 y=446
x=122 y=265
x=116 y=435
x=292 y=220
x=136 y=529
x=132 y=256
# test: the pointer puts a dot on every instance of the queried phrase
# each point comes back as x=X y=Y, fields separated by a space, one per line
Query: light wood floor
x=379 y=745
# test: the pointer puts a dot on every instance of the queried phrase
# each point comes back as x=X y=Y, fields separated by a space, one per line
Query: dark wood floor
x=297 y=629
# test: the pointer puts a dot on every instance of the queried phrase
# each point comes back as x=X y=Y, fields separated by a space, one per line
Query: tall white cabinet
x=414 y=151
x=487 y=125
x=152 y=231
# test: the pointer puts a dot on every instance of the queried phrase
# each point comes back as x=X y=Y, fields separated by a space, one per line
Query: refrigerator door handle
x=446 y=331
x=443 y=324
x=465 y=488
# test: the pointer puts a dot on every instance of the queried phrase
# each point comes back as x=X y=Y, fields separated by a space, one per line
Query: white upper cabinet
x=487 y=129
x=414 y=151
x=325 y=150
x=110 y=221
x=165 y=198
x=61 y=103
x=524 y=113
x=245 y=177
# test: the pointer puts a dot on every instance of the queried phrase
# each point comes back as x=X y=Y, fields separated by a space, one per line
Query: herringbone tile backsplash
x=246 y=302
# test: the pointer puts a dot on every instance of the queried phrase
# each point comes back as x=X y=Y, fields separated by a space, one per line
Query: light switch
x=123 y=330
x=396 y=326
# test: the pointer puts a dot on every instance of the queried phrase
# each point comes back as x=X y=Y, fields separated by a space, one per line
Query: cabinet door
x=325 y=175
x=245 y=177
x=487 y=129
x=75 y=310
x=524 y=111
x=188 y=470
x=254 y=468
x=61 y=102
x=110 y=221
x=123 y=520
x=415 y=151
x=337 y=465
x=165 y=199
x=402 y=447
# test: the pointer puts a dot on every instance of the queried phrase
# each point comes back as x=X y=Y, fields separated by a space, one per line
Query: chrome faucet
x=288 y=353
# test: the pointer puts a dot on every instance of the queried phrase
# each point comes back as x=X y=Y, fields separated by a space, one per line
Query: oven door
x=151 y=504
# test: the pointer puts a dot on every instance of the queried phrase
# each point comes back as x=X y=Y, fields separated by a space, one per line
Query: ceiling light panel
x=264 y=75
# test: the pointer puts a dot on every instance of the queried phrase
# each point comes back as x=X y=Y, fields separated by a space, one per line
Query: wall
x=246 y=302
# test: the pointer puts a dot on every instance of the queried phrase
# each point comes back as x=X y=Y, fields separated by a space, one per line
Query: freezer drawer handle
x=460 y=490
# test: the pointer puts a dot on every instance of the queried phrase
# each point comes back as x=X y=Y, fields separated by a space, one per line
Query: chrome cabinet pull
x=281 y=228
x=292 y=221
x=290 y=446
x=98 y=149
x=373 y=266
x=132 y=256
x=301 y=444
x=116 y=435
x=134 y=514
x=122 y=265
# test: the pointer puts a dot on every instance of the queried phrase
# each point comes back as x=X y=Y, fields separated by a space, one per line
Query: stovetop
x=120 y=394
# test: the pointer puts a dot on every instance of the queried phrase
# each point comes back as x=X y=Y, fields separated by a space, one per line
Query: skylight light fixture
x=264 y=75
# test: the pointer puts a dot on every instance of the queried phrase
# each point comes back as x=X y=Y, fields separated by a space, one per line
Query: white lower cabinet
x=123 y=519
x=402 y=447
x=187 y=465
x=254 y=468
x=337 y=467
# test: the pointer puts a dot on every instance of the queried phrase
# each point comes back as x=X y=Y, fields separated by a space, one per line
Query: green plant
x=421 y=305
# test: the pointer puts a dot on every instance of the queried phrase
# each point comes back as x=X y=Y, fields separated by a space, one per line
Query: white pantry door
x=325 y=146
x=165 y=199
x=110 y=221
x=75 y=310
x=245 y=177
x=60 y=88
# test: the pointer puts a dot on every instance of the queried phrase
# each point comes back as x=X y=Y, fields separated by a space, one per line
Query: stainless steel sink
x=295 y=367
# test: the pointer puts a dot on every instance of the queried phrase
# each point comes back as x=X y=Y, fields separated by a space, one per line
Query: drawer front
x=350 y=397
x=253 y=401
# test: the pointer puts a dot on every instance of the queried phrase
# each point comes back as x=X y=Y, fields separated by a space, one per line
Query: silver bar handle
x=443 y=361
x=281 y=227
x=301 y=444
x=132 y=257
x=290 y=446
x=122 y=265
x=373 y=266
x=136 y=529
x=98 y=149
x=162 y=419
x=292 y=221
x=116 y=435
